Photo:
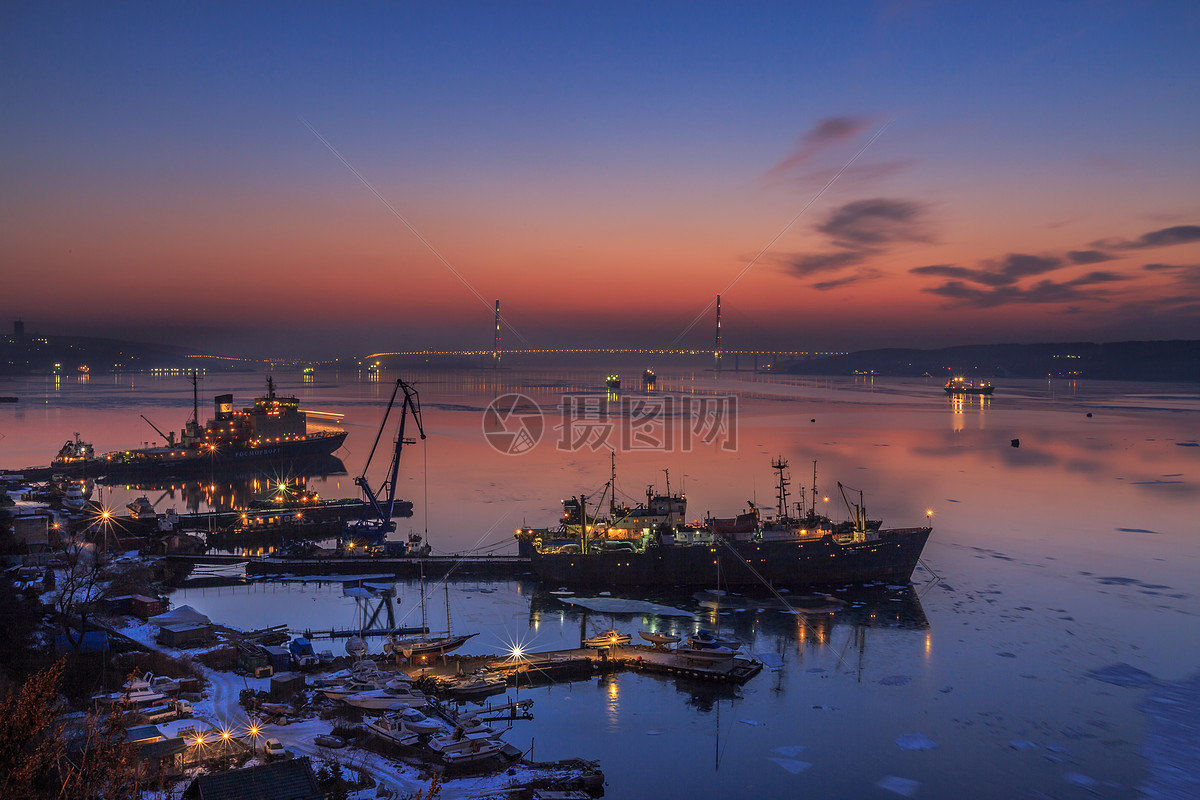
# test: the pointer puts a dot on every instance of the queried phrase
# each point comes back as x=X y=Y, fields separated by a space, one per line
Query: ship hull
x=980 y=390
x=783 y=564
x=288 y=457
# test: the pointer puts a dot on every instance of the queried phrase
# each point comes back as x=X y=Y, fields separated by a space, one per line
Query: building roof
x=292 y=779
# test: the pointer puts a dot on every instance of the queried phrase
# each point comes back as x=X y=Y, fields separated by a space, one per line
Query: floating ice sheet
x=790 y=764
x=789 y=750
x=1121 y=675
x=915 y=741
x=618 y=605
x=901 y=786
x=895 y=680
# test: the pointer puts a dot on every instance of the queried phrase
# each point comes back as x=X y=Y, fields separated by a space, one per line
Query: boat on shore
x=272 y=432
x=961 y=385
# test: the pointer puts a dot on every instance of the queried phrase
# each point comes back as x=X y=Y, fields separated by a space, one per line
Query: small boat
x=461 y=747
x=659 y=639
x=393 y=729
x=418 y=723
x=75 y=498
x=477 y=685
x=706 y=639
x=329 y=740
x=386 y=699
x=613 y=381
x=424 y=645
x=608 y=639
x=961 y=385
x=141 y=508
x=706 y=653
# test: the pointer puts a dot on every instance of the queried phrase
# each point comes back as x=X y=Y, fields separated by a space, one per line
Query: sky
x=331 y=179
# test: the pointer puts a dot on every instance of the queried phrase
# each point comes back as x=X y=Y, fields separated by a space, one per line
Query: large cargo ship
x=273 y=433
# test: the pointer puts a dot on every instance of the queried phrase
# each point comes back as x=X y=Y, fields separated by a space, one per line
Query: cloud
x=861 y=230
x=875 y=222
x=1188 y=274
x=992 y=294
x=1015 y=266
x=858 y=173
x=944 y=271
x=1163 y=237
x=811 y=263
x=1088 y=256
x=827 y=132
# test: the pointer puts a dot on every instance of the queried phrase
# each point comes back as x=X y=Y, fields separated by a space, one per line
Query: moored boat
x=960 y=385
x=689 y=556
x=608 y=639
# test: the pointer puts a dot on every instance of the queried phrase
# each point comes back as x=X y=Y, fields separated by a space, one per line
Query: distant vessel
x=271 y=432
x=613 y=381
x=963 y=386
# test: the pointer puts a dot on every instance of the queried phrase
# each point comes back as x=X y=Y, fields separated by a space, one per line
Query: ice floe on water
x=1122 y=675
x=617 y=605
x=1172 y=747
x=1081 y=780
x=1022 y=744
x=789 y=750
x=785 y=757
x=772 y=661
x=792 y=765
x=895 y=680
x=749 y=722
x=901 y=786
x=915 y=741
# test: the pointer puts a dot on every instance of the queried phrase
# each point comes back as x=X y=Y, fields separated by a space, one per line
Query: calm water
x=1073 y=552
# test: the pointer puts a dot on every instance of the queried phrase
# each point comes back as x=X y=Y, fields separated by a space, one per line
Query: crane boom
x=410 y=403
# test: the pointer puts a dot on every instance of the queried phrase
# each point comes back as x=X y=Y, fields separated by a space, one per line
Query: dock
x=583 y=662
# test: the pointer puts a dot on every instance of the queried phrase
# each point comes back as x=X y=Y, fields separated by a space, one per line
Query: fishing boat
x=688 y=556
x=960 y=385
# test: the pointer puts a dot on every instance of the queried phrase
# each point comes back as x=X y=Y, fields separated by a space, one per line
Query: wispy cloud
x=1088 y=256
x=875 y=222
x=1163 y=237
x=827 y=132
x=861 y=230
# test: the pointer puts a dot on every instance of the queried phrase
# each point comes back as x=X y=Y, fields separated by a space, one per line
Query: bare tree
x=79 y=589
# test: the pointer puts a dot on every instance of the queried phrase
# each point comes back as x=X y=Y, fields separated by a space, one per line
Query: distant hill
x=70 y=355
x=1175 y=360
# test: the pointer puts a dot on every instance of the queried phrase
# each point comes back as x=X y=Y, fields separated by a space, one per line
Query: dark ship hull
x=289 y=457
x=818 y=561
x=951 y=390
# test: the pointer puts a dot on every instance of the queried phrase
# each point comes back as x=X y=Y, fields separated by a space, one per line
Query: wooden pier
x=564 y=665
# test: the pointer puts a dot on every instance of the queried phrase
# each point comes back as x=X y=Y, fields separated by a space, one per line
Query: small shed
x=284 y=686
x=279 y=658
x=292 y=779
x=144 y=607
x=184 y=634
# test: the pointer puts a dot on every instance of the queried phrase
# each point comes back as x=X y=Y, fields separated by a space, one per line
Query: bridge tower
x=717 y=349
x=496 y=346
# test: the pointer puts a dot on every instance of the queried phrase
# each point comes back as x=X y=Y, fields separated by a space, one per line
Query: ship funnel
x=223 y=405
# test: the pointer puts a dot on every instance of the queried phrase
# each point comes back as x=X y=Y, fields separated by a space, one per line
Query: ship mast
x=781 y=464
